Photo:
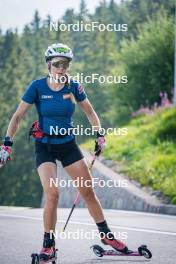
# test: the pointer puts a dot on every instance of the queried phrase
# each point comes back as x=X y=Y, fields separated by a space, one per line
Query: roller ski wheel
x=98 y=250
x=142 y=251
x=36 y=259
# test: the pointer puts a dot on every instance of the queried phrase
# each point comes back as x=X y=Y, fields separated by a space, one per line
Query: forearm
x=13 y=126
x=94 y=121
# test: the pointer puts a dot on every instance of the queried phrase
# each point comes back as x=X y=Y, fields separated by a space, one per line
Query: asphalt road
x=21 y=234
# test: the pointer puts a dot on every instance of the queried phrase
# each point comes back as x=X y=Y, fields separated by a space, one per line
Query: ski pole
x=77 y=199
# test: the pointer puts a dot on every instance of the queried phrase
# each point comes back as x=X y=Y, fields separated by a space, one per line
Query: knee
x=89 y=196
x=52 y=197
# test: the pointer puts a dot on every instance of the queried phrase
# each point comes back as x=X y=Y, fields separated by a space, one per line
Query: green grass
x=148 y=152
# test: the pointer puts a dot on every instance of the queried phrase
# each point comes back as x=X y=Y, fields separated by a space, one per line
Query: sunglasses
x=60 y=63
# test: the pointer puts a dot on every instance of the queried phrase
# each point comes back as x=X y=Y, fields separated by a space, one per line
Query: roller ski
x=47 y=255
x=119 y=248
x=142 y=251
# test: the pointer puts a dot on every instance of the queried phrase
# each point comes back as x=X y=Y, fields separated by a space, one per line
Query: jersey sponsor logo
x=46 y=96
x=81 y=89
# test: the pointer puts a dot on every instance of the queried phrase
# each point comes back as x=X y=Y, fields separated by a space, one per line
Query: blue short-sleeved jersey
x=55 y=108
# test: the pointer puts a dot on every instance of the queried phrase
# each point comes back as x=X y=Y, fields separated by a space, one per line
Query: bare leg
x=46 y=171
x=79 y=169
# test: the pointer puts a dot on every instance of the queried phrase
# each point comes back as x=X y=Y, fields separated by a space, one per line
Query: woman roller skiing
x=55 y=105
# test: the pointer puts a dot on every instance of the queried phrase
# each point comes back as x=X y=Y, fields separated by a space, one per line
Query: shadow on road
x=92 y=261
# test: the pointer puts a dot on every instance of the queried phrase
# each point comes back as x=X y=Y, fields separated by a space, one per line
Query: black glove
x=8 y=142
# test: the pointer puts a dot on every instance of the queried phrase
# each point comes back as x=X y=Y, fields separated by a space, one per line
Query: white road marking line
x=143 y=213
x=89 y=224
x=16 y=208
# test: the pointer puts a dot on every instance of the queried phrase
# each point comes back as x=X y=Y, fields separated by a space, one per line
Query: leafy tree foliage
x=144 y=53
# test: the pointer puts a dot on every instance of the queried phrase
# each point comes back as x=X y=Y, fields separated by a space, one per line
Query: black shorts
x=67 y=153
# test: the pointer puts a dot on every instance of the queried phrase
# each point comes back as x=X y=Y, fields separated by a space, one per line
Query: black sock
x=102 y=225
x=104 y=229
x=48 y=240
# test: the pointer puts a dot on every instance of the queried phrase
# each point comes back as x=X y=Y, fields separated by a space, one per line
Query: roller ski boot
x=48 y=254
x=109 y=239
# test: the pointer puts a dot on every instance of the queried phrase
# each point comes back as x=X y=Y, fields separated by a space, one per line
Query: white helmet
x=58 y=49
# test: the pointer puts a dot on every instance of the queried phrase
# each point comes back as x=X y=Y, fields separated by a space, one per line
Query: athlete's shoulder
x=35 y=84
x=31 y=92
x=40 y=81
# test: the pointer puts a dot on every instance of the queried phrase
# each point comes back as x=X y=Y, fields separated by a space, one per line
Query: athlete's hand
x=5 y=153
x=99 y=144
